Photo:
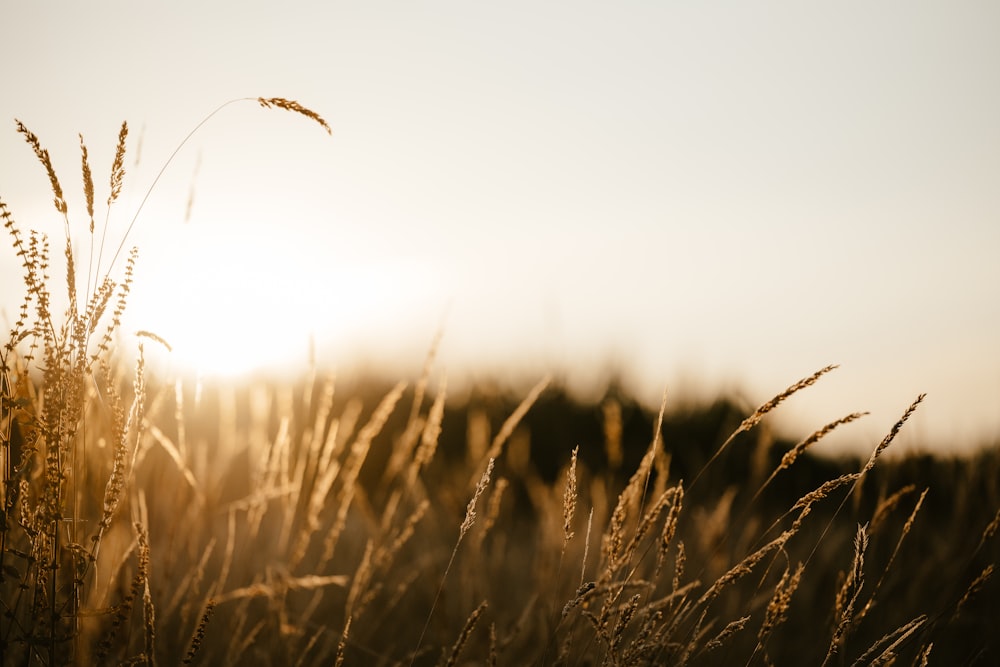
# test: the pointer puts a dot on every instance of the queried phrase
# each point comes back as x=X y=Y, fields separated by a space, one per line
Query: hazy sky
x=708 y=195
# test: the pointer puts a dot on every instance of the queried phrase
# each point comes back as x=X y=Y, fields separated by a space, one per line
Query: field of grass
x=156 y=521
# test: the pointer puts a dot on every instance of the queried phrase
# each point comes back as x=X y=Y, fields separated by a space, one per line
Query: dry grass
x=307 y=524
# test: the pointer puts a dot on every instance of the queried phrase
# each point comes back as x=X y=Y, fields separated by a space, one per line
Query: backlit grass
x=155 y=520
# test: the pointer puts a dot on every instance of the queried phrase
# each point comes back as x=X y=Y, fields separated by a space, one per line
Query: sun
x=210 y=297
x=234 y=304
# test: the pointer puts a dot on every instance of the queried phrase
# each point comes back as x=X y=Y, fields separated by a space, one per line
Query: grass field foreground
x=148 y=521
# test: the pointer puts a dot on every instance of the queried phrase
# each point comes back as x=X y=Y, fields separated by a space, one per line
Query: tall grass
x=148 y=520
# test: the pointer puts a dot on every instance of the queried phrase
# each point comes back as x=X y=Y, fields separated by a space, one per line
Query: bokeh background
x=710 y=197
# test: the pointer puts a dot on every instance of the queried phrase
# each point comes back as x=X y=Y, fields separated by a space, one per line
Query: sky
x=706 y=197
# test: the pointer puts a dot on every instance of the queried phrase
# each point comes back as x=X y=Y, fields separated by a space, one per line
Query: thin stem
x=166 y=164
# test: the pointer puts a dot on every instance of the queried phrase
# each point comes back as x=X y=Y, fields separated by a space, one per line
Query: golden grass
x=294 y=107
x=308 y=524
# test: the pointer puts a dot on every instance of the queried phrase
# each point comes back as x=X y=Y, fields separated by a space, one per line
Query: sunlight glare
x=234 y=304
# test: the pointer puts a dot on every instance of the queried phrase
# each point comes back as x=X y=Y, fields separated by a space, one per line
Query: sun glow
x=233 y=303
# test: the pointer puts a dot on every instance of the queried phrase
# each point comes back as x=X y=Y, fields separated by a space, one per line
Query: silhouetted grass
x=151 y=521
